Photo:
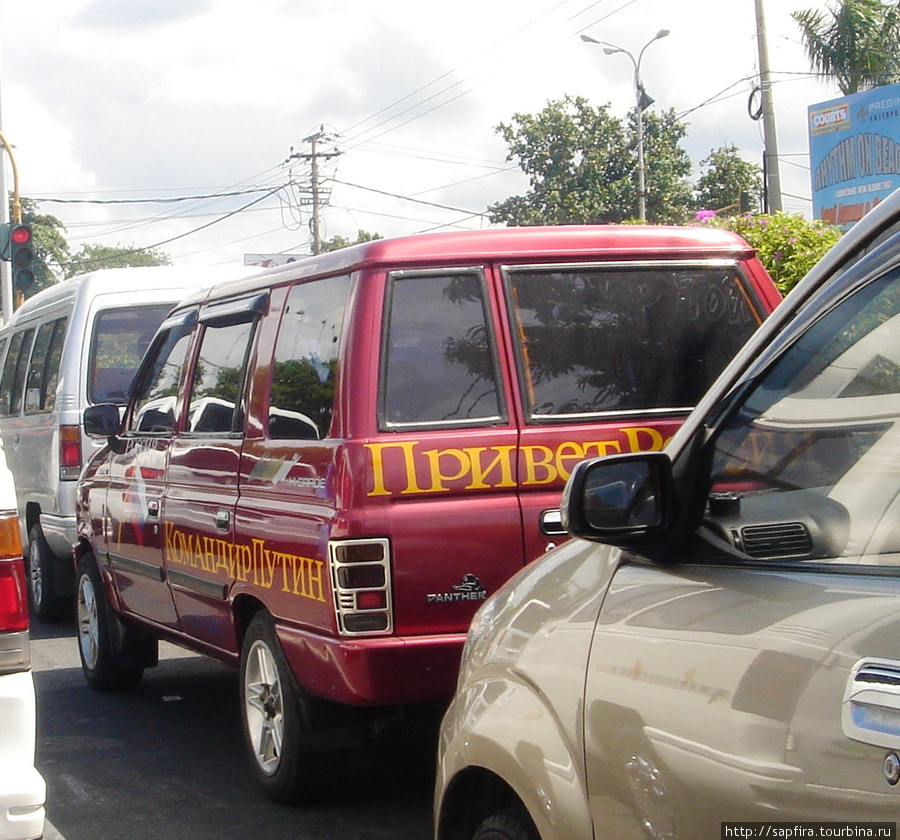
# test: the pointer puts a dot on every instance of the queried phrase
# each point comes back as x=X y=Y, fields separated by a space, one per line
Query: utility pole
x=6 y=290
x=314 y=155
x=770 y=156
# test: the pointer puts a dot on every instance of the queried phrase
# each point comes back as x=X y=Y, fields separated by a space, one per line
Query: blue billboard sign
x=854 y=151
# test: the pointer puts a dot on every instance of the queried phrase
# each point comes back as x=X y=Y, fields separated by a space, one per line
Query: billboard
x=854 y=153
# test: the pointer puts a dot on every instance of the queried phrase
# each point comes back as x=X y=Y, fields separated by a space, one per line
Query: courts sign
x=854 y=153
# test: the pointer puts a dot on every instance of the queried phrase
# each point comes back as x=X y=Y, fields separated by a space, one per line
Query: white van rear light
x=361 y=578
x=13 y=593
x=69 y=452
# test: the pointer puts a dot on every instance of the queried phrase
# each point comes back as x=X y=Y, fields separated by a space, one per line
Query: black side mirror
x=619 y=498
x=102 y=420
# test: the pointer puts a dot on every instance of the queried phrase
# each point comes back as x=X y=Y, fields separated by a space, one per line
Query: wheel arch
x=513 y=752
x=472 y=796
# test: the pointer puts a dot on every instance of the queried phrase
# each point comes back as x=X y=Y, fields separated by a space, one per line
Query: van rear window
x=594 y=340
x=118 y=343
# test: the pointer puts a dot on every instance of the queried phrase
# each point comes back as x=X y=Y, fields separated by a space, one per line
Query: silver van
x=67 y=347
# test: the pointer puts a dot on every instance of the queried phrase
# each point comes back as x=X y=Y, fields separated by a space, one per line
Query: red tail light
x=69 y=451
x=13 y=596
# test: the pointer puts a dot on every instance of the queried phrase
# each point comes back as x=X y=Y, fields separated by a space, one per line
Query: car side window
x=599 y=339
x=304 y=371
x=218 y=379
x=43 y=372
x=439 y=359
x=807 y=466
x=14 y=369
x=153 y=411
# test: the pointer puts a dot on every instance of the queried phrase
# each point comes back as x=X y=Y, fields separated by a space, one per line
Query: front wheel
x=278 y=723
x=507 y=825
x=98 y=660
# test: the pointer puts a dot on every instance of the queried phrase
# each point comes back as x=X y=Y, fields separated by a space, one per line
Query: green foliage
x=51 y=251
x=338 y=242
x=94 y=257
x=578 y=164
x=856 y=43
x=666 y=167
x=724 y=176
x=788 y=245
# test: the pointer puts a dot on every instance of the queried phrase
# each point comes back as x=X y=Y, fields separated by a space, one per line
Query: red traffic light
x=20 y=235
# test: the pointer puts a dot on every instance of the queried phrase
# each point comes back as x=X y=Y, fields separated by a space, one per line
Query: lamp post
x=642 y=101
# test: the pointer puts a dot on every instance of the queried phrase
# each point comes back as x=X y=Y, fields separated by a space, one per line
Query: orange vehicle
x=324 y=469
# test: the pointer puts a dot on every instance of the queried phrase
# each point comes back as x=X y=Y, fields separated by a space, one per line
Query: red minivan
x=324 y=469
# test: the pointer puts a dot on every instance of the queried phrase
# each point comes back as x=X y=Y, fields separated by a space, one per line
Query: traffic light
x=21 y=257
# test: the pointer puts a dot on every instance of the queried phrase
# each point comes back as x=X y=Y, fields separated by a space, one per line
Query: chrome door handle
x=870 y=711
x=223 y=520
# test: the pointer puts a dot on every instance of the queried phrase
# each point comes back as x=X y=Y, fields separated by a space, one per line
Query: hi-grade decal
x=405 y=467
x=251 y=563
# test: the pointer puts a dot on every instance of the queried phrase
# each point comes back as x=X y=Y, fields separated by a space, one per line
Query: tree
x=338 y=242
x=856 y=43
x=93 y=257
x=51 y=251
x=724 y=176
x=581 y=165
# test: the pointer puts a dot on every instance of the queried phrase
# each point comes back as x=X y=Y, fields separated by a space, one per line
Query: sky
x=184 y=125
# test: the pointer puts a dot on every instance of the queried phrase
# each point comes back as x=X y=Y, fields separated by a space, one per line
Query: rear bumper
x=22 y=795
x=385 y=671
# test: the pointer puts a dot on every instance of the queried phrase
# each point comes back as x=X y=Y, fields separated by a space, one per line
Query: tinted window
x=43 y=372
x=119 y=341
x=218 y=377
x=13 y=378
x=596 y=339
x=439 y=360
x=306 y=358
x=154 y=407
x=807 y=466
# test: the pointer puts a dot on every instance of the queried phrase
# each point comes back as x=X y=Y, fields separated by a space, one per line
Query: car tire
x=42 y=590
x=506 y=825
x=277 y=720
x=101 y=669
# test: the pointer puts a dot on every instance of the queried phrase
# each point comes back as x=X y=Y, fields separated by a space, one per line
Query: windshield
x=809 y=465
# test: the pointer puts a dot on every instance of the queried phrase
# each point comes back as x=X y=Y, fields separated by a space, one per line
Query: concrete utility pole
x=314 y=156
x=770 y=156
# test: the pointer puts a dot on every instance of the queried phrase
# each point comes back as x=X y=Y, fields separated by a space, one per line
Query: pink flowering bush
x=788 y=245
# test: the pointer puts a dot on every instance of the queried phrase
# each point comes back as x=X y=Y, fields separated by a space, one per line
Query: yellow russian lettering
x=533 y=463
x=655 y=439
x=502 y=460
x=379 y=486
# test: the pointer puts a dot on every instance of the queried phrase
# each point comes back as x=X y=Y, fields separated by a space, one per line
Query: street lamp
x=642 y=101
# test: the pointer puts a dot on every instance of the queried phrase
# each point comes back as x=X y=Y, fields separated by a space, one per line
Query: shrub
x=788 y=245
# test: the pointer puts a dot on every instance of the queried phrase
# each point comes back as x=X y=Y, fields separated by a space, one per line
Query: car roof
x=519 y=244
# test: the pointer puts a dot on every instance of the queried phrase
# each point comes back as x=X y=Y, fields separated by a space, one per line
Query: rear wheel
x=98 y=659
x=46 y=603
x=278 y=719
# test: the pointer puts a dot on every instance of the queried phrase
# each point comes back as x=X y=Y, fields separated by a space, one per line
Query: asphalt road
x=166 y=762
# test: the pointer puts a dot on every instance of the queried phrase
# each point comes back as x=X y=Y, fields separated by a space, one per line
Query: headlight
x=482 y=622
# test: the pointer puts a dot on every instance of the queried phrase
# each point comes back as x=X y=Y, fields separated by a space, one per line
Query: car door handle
x=870 y=711
x=153 y=508
x=551 y=523
x=223 y=520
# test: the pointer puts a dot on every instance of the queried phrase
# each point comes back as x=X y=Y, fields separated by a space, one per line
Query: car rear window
x=605 y=339
x=120 y=337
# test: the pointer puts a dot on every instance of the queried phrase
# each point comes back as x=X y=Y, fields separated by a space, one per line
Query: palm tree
x=857 y=43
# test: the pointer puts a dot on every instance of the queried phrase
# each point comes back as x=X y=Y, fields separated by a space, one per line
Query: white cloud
x=123 y=99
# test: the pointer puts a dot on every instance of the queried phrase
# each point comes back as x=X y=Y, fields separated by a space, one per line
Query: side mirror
x=101 y=420
x=620 y=497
